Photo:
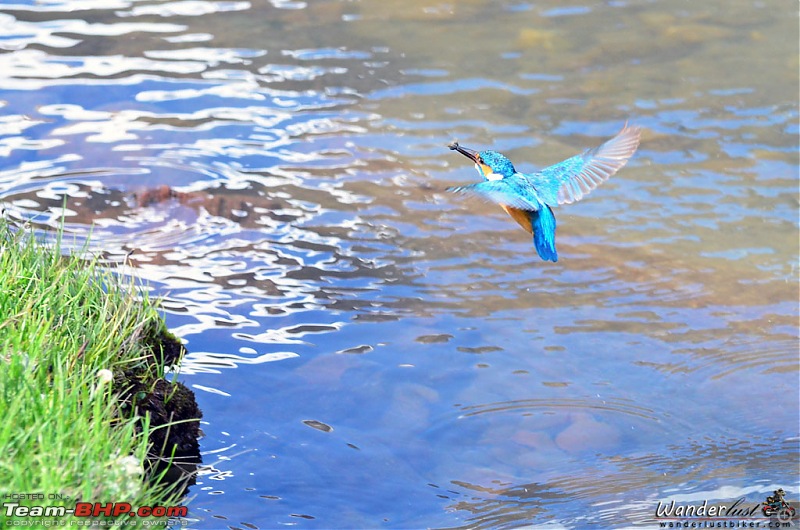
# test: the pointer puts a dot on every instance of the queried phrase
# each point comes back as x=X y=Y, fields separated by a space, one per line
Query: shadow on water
x=368 y=349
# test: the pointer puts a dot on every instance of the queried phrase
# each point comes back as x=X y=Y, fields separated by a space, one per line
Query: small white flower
x=130 y=465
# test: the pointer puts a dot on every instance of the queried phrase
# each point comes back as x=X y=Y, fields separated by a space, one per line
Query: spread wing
x=514 y=191
x=570 y=180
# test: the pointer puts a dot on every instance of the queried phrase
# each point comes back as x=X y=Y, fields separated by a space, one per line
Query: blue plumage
x=544 y=233
x=528 y=197
x=500 y=164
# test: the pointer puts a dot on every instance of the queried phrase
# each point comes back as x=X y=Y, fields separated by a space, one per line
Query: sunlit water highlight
x=371 y=351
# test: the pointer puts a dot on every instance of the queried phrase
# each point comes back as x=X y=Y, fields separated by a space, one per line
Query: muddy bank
x=174 y=451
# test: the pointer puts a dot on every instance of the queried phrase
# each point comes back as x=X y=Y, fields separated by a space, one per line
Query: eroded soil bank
x=173 y=412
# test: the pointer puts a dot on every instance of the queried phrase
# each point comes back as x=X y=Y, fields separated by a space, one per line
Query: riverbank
x=87 y=412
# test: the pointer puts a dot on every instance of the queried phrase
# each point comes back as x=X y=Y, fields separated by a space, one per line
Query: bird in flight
x=528 y=197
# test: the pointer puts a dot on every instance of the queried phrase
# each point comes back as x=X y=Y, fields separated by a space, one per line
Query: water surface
x=372 y=351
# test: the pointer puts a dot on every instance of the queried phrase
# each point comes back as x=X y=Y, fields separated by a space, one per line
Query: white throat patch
x=490 y=176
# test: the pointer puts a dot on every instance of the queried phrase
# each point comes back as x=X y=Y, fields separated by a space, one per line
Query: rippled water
x=372 y=351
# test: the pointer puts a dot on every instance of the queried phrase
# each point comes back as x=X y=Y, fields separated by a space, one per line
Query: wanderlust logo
x=739 y=509
x=775 y=512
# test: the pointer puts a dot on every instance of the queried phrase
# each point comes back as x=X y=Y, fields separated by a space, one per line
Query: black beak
x=469 y=153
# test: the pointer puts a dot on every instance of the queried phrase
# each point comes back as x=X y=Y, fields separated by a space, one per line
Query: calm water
x=371 y=351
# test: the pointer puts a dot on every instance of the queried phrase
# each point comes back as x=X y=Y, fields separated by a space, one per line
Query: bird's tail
x=544 y=233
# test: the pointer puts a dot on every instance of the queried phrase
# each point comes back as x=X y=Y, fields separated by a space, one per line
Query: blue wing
x=514 y=191
x=570 y=180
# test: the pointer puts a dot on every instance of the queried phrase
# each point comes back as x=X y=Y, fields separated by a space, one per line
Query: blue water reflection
x=370 y=351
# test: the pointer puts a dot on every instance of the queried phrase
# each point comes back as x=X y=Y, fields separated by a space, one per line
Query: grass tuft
x=68 y=328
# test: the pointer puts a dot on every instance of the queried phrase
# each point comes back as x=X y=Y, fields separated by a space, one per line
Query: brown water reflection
x=278 y=170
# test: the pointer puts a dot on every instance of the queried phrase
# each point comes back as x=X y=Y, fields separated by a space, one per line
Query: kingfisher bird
x=528 y=197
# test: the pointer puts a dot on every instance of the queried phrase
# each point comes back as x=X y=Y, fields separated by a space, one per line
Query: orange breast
x=523 y=217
